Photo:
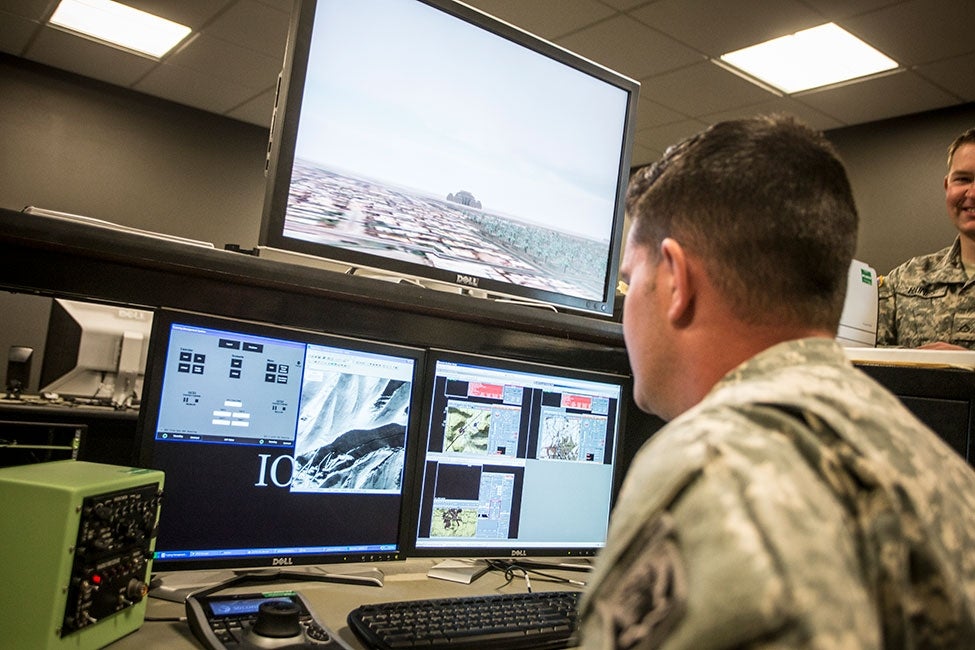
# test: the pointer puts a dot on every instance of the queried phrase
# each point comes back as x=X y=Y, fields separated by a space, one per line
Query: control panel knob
x=277 y=620
x=136 y=590
x=103 y=512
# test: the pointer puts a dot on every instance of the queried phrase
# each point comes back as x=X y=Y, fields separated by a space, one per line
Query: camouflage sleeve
x=754 y=552
x=887 y=310
x=645 y=594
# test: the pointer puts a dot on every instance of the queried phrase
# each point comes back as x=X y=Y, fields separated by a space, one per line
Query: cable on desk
x=510 y=569
x=165 y=619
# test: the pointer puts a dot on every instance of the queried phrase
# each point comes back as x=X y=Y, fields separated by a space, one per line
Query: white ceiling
x=230 y=64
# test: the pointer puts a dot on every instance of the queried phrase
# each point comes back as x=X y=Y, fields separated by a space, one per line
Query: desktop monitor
x=280 y=446
x=95 y=352
x=517 y=460
x=424 y=139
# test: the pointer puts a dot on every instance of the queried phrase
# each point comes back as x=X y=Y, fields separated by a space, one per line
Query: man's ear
x=681 y=306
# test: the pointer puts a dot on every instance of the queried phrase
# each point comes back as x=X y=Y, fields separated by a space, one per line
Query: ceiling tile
x=892 y=95
x=253 y=25
x=702 y=89
x=838 y=9
x=626 y=46
x=229 y=62
x=810 y=116
x=623 y=5
x=33 y=9
x=660 y=137
x=15 y=33
x=650 y=113
x=643 y=155
x=280 y=5
x=955 y=75
x=549 y=19
x=715 y=28
x=194 y=88
x=66 y=51
x=194 y=14
x=255 y=111
x=918 y=31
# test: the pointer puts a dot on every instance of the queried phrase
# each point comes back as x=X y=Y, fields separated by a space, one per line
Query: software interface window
x=284 y=430
x=234 y=388
x=516 y=457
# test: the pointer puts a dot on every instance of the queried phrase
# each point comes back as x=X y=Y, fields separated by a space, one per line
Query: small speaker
x=18 y=369
x=76 y=540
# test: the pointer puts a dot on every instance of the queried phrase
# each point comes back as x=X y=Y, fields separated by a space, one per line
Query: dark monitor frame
x=150 y=451
x=281 y=160
x=556 y=553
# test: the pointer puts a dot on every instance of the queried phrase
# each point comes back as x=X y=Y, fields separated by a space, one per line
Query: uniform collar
x=736 y=387
x=949 y=268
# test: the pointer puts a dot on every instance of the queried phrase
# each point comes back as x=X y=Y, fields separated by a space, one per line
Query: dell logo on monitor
x=469 y=280
x=519 y=553
x=282 y=561
x=133 y=314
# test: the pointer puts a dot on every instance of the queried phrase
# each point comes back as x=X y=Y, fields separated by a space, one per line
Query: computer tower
x=76 y=540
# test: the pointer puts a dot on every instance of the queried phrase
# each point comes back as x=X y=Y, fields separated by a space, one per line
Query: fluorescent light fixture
x=119 y=25
x=814 y=57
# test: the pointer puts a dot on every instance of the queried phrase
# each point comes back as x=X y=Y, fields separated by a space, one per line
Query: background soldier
x=929 y=301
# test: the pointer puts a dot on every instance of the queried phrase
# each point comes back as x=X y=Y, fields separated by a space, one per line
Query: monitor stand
x=462 y=570
x=570 y=564
x=178 y=585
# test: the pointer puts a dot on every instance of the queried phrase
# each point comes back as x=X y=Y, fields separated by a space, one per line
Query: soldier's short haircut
x=766 y=203
x=968 y=137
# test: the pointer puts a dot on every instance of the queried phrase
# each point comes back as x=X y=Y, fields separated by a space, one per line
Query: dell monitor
x=95 y=352
x=425 y=140
x=517 y=461
x=280 y=446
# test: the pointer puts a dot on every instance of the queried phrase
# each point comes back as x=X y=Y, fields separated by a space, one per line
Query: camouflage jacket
x=926 y=299
x=799 y=505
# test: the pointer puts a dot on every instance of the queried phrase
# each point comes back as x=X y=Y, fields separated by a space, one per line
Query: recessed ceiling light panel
x=119 y=25
x=814 y=57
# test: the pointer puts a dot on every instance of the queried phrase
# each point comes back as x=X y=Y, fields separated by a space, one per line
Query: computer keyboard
x=528 y=620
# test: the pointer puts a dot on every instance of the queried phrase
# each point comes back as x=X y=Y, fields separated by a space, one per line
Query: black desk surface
x=73 y=260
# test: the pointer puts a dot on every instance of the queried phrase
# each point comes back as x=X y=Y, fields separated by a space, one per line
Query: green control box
x=76 y=540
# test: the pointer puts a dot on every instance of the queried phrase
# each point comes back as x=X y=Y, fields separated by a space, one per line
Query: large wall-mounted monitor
x=517 y=460
x=427 y=140
x=95 y=352
x=280 y=446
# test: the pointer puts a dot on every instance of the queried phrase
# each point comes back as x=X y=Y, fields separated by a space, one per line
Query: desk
x=942 y=398
x=110 y=437
x=332 y=602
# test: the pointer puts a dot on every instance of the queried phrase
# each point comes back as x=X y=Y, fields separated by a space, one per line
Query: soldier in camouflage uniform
x=791 y=501
x=929 y=301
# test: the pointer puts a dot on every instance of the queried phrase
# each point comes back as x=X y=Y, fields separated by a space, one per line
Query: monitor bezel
x=417 y=456
x=148 y=417
x=281 y=154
